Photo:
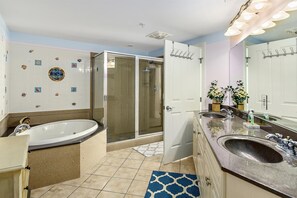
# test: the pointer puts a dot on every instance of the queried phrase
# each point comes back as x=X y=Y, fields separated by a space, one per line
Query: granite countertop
x=13 y=153
x=279 y=178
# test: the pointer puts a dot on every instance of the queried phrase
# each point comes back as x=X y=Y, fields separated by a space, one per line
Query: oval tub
x=60 y=132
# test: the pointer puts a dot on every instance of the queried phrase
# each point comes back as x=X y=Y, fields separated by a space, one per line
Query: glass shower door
x=150 y=96
x=98 y=87
x=120 y=97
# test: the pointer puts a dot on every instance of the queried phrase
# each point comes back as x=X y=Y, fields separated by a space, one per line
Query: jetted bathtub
x=59 y=133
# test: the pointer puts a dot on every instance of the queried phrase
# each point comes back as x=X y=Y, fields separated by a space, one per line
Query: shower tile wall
x=3 y=71
x=32 y=90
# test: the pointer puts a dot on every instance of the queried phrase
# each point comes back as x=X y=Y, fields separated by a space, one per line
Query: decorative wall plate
x=56 y=74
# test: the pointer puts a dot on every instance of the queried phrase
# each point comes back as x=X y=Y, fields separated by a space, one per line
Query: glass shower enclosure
x=127 y=94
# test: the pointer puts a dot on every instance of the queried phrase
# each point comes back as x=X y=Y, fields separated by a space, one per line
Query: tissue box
x=251 y=126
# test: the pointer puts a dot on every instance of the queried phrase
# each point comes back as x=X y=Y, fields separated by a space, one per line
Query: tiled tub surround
x=122 y=173
x=66 y=162
x=278 y=178
x=32 y=90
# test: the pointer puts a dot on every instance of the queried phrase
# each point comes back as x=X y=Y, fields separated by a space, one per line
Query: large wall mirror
x=267 y=65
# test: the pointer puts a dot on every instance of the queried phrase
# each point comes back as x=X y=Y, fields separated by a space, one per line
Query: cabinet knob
x=194 y=132
x=207 y=181
x=26 y=188
x=28 y=168
x=198 y=132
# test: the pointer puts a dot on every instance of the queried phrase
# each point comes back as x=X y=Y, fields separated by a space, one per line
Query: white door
x=181 y=98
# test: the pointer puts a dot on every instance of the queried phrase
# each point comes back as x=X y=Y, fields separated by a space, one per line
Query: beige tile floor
x=121 y=174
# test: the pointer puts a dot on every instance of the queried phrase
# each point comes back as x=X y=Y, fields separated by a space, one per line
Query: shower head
x=146 y=69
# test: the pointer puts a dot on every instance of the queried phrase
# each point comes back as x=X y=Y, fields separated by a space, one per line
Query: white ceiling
x=116 y=22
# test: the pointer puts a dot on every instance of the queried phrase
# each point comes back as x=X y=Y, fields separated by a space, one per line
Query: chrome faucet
x=229 y=113
x=20 y=128
x=286 y=144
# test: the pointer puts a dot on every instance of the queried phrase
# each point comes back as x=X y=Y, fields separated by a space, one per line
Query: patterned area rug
x=168 y=185
x=149 y=150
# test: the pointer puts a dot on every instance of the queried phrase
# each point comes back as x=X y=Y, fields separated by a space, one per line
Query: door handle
x=168 y=108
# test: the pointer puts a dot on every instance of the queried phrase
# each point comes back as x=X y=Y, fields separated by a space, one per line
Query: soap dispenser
x=251 y=117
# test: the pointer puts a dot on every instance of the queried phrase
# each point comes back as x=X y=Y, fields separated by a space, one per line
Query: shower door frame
x=136 y=78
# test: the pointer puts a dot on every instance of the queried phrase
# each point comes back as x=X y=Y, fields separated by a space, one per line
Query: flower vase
x=240 y=107
x=216 y=106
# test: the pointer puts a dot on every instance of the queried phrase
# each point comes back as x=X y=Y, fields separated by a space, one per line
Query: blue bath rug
x=169 y=185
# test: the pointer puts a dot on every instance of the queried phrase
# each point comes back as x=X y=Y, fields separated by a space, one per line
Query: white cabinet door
x=181 y=98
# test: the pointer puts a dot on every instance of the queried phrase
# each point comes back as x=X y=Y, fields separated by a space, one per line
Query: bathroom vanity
x=224 y=174
x=14 y=173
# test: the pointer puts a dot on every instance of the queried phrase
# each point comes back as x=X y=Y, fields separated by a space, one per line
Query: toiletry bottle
x=251 y=117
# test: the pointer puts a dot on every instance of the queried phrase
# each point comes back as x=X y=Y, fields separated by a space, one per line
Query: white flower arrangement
x=215 y=93
x=239 y=95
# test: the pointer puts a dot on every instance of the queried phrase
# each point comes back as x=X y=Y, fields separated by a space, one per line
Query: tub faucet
x=229 y=113
x=286 y=144
x=20 y=128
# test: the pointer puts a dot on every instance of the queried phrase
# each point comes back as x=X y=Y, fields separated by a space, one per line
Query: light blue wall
x=63 y=43
x=210 y=38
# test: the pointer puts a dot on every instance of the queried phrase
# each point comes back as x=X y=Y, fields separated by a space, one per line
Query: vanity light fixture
x=258 y=31
x=268 y=24
x=245 y=17
x=232 y=31
x=258 y=5
x=280 y=16
x=291 y=6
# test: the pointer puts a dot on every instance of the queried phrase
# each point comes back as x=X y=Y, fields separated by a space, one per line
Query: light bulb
x=246 y=16
x=258 y=5
x=280 y=16
x=291 y=6
x=232 y=31
x=239 y=25
x=258 y=31
x=268 y=24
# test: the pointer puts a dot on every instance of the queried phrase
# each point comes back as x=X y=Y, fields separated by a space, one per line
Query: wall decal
x=73 y=104
x=38 y=62
x=37 y=89
x=24 y=94
x=73 y=89
x=79 y=60
x=24 y=67
x=57 y=58
x=56 y=74
x=37 y=106
x=57 y=94
x=73 y=65
x=30 y=51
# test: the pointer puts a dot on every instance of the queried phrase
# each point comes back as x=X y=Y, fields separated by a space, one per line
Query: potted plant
x=239 y=95
x=217 y=95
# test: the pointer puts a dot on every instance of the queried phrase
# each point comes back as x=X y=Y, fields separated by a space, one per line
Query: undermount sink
x=213 y=115
x=255 y=149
